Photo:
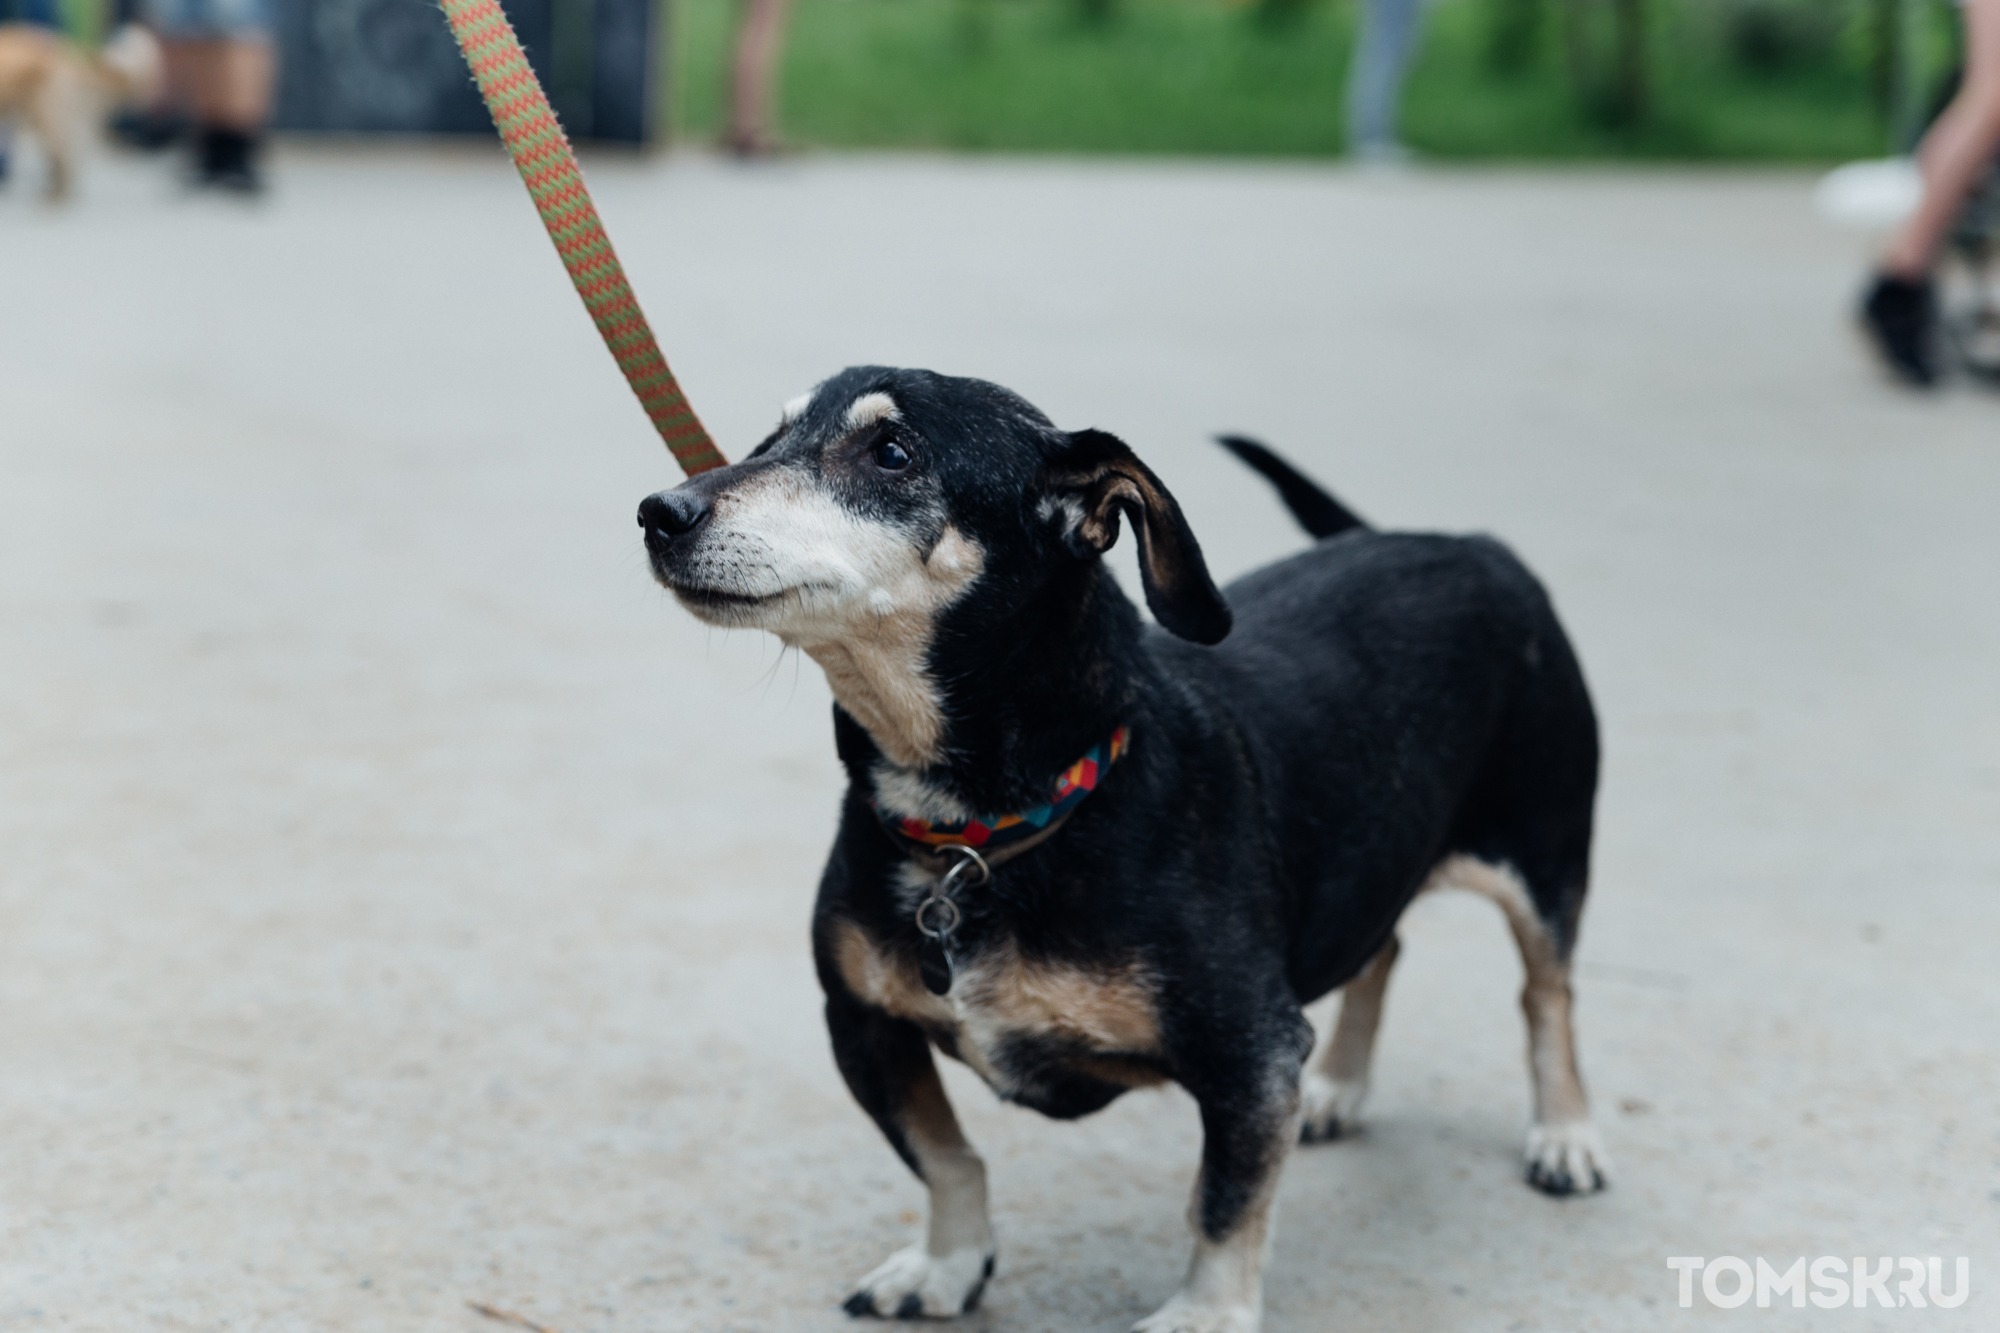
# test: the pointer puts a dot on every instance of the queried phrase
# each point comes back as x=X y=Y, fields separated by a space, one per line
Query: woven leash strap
x=541 y=153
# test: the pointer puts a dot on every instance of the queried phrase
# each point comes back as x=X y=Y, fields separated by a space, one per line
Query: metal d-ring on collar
x=938 y=915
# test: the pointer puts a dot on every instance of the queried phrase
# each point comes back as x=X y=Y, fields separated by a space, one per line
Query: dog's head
x=886 y=498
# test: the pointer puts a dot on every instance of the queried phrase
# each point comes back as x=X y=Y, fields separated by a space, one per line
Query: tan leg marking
x=1223 y=1291
x=1565 y=1154
x=944 y=1274
x=955 y=1173
x=1337 y=1083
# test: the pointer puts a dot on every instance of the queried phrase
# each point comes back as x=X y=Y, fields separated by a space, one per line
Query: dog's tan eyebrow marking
x=870 y=408
x=795 y=409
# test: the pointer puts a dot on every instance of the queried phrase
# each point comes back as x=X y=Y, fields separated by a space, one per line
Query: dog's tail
x=1317 y=512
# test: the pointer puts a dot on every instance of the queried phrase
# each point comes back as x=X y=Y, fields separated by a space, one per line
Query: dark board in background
x=391 y=67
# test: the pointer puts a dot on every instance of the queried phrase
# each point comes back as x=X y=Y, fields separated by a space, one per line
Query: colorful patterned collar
x=995 y=835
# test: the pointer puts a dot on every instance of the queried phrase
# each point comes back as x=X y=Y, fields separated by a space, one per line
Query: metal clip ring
x=951 y=912
x=969 y=862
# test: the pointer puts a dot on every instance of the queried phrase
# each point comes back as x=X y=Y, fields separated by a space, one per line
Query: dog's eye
x=892 y=457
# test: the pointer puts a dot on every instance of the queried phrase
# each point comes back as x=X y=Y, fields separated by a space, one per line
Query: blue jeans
x=208 y=18
x=1389 y=30
x=29 y=11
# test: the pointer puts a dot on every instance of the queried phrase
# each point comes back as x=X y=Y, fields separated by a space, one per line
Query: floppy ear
x=1095 y=477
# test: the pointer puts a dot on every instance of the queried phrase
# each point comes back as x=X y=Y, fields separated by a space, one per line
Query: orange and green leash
x=541 y=153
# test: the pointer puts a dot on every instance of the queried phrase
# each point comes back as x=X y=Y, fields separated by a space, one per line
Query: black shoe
x=1901 y=315
x=147 y=131
x=227 y=160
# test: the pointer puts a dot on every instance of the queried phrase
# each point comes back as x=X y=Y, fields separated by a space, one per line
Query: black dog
x=1251 y=813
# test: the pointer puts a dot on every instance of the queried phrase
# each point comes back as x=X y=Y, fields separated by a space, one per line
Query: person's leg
x=239 y=93
x=1375 y=79
x=1900 y=308
x=188 y=61
x=222 y=70
x=224 y=81
x=226 y=84
x=753 y=77
x=1959 y=150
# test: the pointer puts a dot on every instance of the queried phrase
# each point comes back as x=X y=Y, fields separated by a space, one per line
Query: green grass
x=1214 y=77
x=86 y=20
x=1702 y=106
x=1157 y=76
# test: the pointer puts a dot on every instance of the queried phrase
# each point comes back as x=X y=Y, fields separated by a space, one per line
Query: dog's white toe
x=1332 y=1107
x=1567 y=1159
x=1183 y=1314
x=916 y=1284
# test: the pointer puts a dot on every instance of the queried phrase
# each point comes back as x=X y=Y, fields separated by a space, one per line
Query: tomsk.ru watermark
x=1891 y=1281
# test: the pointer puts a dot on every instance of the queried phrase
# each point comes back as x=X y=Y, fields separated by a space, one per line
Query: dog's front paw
x=1332 y=1107
x=916 y=1284
x=1183 y=1314
x=1567 y=1159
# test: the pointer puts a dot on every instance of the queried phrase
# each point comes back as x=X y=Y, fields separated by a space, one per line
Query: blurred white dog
x=62 y=92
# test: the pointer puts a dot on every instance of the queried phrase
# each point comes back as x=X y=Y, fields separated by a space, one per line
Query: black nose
x=673 y=513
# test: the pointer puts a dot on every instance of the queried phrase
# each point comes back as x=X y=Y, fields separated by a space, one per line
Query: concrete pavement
x=402 y=904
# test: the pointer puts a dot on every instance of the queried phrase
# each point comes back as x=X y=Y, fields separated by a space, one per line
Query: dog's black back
x=1415 y=697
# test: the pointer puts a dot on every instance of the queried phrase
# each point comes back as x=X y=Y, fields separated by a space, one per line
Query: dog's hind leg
x=1337 y=1083
x=887 y=1064
x=52 y=115
x=1564 y=1154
